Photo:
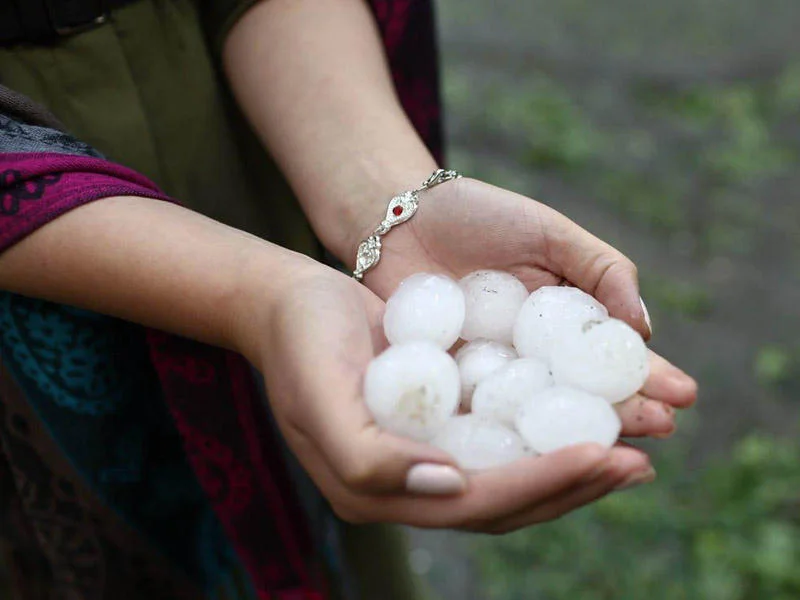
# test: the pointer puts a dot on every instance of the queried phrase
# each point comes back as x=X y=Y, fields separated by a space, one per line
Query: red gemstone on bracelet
x=397 y=211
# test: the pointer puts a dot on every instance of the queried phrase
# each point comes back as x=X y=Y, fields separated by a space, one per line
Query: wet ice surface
x=493 y=301
x=500 y=395
x=425 y=307
x=476 y=361
x=479 y=443
x=559 y=417
x=412 y=389
x=608 y=359
x=576 y=362
x=550 y=313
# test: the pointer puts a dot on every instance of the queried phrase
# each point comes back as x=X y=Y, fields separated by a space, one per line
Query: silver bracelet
x=401 y=208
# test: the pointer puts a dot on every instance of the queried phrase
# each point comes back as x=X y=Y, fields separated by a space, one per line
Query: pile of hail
x=538 y=371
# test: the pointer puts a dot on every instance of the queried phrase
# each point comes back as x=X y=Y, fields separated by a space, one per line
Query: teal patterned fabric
x=90 y=381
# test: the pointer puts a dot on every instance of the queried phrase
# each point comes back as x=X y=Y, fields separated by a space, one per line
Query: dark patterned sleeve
x=45 y=172
x=209 y=392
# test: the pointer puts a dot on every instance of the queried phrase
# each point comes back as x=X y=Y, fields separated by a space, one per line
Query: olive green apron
x=144 y=89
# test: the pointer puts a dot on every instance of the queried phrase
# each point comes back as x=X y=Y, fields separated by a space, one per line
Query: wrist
x=362 y=207
x=266 y=277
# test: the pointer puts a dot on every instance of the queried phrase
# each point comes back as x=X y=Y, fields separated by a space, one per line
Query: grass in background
x=729 y=531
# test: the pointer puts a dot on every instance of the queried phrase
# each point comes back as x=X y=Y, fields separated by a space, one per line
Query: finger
x=493 y=496
x=369 y=460
x=597 y=268
x=346 y=500
x=366 y=458
x=568 y=503
x=641 y=416
x=669 y=384
x=627 y=465
x=321 y=401
x=496 y=493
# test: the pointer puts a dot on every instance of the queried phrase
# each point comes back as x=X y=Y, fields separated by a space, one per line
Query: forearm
x=312 y=78
x=153 y=263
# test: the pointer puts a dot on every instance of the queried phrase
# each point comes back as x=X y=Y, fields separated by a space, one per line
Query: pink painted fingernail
x=638 y=478
x=646 y=315
x=435 y=480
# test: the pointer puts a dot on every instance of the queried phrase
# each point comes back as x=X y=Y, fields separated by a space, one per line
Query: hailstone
x=425 y=307
x=559 y=417
x=478 y=443
x=500 y=395
x=608 y=359
x=412 y=389
x=494 y=299
x=552 y=312
x=478 y=359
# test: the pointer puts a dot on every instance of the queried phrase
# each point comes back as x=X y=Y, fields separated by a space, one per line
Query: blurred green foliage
x=643 y=199
x=677 y=297
x=730 y=133
x=728 y=531
x=773 y=365
x=552 y=129
x=777 y=367
x=737 y=117
x=703 y=166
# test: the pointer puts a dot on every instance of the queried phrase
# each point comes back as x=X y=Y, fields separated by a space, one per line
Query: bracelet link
x=369 y=253
x=440 y=176
x=401 y=208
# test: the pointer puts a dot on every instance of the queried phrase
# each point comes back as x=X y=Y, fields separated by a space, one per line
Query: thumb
x=598 y=269
x=377 y=462
x=363 y=457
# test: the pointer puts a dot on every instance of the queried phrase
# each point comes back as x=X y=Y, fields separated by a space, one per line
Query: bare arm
x=312 y=77
x=153 y=263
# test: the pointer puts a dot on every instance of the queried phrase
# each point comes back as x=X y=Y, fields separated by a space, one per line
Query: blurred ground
x=671 y=131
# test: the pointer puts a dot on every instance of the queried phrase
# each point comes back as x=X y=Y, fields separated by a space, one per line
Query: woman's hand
x=465 y=225
x=322 y=333
x=312 y=331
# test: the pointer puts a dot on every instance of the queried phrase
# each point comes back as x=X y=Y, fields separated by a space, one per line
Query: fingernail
x=435 y=480
x=683 y=380
x=646 y=315
x=637 y=479
x=664 y=434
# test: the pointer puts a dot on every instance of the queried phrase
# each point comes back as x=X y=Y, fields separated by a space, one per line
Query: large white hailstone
x=608 y=359
x=412 y=389
x=478 y=359
x=478 y=443
x=425 y=307
x=552 y=312
x=494 y=299
x=500 y=395
x=559 y=417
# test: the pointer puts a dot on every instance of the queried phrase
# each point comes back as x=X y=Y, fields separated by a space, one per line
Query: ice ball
x=425 y=307
x=493 y=301
x=500 y=395
x=476 y=360
x=412 y=389
x=552 y=312
x=608 y=359
x=478 y=443
x=559 y=417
